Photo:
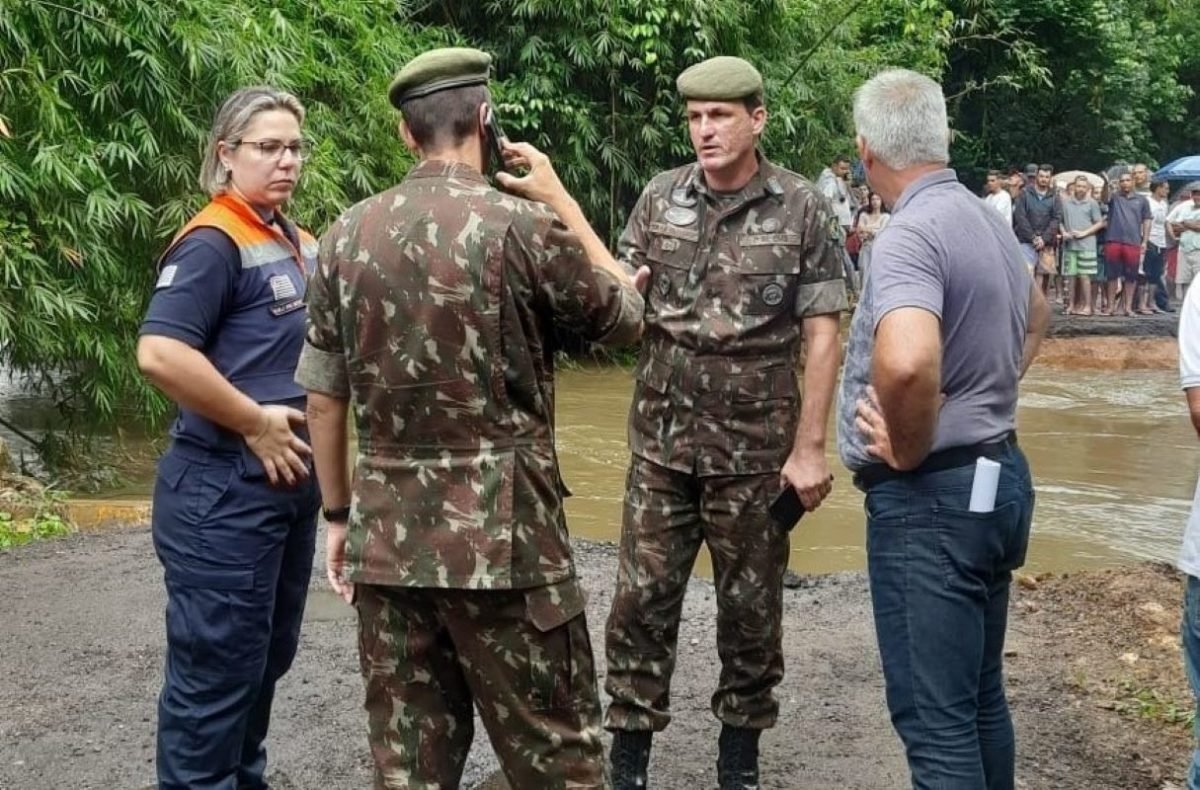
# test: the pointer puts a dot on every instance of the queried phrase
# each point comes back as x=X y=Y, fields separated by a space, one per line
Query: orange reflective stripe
x=237 y=219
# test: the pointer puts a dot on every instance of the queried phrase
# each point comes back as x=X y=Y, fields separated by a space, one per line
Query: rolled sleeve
x=629 y=308
x=323 y=371
x=822 y=287
x=821 y=298
x=323 y=366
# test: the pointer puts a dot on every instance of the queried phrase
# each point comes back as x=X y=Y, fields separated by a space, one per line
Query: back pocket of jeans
x=974 y=546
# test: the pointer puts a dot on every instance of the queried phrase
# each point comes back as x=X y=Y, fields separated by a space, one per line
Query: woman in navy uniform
x=235 y=502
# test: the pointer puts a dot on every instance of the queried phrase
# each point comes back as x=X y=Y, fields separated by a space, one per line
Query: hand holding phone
x=787 y=509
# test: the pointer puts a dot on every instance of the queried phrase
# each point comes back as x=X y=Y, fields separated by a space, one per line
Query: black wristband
x=339 y=515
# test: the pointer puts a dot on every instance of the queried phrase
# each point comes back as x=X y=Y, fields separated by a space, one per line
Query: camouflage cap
x=722 y=78
x=439 y=70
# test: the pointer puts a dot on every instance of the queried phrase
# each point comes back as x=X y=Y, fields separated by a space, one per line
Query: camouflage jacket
x=433 y=310
x=732 y=277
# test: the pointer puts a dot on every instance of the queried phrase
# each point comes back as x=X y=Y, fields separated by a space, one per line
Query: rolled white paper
x=983 y=490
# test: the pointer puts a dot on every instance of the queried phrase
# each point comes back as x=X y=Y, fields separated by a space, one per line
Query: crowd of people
x=1112 y=244
x=429 y=316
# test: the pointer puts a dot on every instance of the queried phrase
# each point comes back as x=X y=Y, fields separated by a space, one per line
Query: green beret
x=722 y=78
x=439 y=70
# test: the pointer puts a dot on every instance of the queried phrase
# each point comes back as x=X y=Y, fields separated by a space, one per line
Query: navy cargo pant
x=237 y=555
x=667 y=516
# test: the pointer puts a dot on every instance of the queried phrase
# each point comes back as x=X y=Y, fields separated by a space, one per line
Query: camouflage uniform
x=713 y=420
x=433 y=311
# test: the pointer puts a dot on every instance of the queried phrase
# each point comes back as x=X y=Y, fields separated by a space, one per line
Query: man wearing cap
x=742 y=268
x=434 y=313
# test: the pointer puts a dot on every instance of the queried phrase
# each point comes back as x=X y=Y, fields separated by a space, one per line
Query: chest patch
x=677 y=215
x=664 y=284
x=283 y=287
x=770 y=225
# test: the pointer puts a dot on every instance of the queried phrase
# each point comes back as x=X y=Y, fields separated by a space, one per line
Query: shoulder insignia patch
x=166 y=276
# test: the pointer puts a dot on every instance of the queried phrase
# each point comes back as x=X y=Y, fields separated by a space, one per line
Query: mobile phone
x=495 y=135
x=787 y=509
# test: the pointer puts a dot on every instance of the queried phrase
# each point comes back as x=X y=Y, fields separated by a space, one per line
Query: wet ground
x=81 y=643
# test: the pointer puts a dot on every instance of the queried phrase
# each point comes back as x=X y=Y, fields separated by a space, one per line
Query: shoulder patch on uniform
x=772 y=294
x=166 y=276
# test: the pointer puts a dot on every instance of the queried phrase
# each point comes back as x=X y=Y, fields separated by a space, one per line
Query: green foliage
x=1077 y=83
x=103 y=110
x=593 y=81
x=32 y=516
x=1150 y=703
x=104 y=105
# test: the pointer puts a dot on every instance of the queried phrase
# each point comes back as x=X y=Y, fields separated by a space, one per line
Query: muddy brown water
x=1113 y=454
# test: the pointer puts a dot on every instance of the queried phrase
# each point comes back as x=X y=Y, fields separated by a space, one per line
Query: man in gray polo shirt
x=946 y=327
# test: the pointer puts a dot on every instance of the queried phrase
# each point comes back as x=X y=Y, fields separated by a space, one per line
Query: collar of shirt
x=436 y=168
x=945 y=175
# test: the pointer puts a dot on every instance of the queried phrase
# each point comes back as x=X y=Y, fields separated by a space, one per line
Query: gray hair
x=901 y=115
x=232 y=121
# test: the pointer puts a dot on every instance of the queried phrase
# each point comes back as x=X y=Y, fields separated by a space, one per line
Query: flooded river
x=1113 y=454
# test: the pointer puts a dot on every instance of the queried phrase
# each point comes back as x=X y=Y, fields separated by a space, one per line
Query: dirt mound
x=1109 y=353
x=1107 y=671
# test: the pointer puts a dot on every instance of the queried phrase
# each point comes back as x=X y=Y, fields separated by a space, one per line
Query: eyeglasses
x=273 y=149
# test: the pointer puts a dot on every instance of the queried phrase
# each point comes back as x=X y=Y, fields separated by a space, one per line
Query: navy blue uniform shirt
x=249 y=322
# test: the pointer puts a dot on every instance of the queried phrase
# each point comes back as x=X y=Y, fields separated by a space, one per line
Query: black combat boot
x=737 y=758
x=630 y=757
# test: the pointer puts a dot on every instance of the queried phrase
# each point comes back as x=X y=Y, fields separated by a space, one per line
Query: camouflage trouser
x=667 y=516
x=523 y=656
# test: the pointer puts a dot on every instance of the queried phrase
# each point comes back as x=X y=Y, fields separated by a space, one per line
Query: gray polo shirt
x=1081 y=215
x=947 y=252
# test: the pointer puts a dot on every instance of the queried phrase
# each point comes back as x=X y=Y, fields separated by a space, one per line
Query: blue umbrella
x=1181 y=169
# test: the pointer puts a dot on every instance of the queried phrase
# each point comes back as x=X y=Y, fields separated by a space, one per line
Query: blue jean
x=940 y=578
x=1154 y=264
x=237 y=555
x=1190 y=628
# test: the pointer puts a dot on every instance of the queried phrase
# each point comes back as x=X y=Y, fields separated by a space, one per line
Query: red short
x=1122 y=260
x=1172 y=262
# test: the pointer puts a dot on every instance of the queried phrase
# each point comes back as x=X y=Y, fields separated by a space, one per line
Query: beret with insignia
x=722 y=78
x=439 y=70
